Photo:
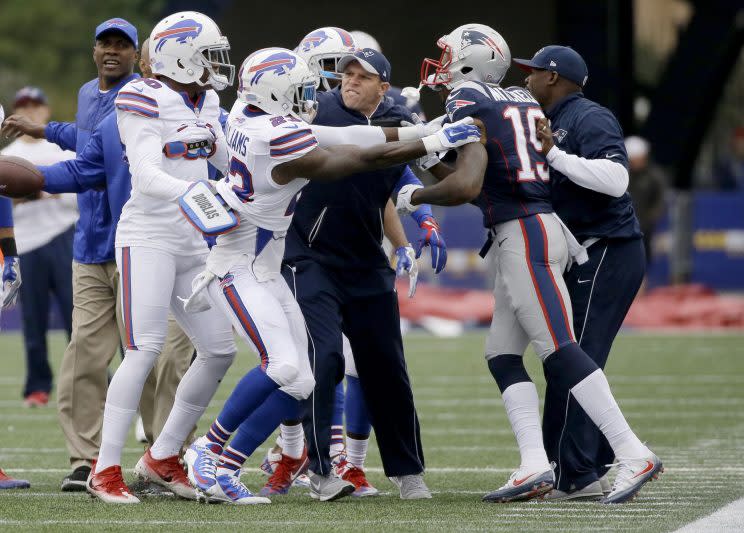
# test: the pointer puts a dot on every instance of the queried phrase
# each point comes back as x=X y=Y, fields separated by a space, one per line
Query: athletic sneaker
x=355 y=475
x=412 y=487
x=7 y=482
x=230 y=489
x=632 y=474
x=108 y=486
x=36 y=399
x=167 y=473
x=328 y=488
x=593 y=491
x=76 y=480
x=285 y=472
x=523 y=486
x=201 y=460
x=604 y=481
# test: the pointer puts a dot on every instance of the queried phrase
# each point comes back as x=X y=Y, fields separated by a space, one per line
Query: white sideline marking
x=727 y=518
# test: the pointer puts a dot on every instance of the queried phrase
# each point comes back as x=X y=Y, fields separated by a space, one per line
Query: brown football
x=19 y=178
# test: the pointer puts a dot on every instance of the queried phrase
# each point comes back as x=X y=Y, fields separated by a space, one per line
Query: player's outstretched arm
x=460 y=186
x=338 y=161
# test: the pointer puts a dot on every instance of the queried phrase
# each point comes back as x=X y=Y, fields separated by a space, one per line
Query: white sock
x=293 y=440
x=122 y=400
x=522 y=409
x=356 y=451
x=193 y=395
x=594 y=396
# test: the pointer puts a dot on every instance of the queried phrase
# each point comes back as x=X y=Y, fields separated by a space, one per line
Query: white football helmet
x=188 y=47
x=279 y=82
x=471 y=52
x=322 y=49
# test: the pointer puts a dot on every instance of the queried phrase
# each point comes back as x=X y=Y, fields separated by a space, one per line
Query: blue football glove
x=11 y=281
x=430 y=235
x=405 y=261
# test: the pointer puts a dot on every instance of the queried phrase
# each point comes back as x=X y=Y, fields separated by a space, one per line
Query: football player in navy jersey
x=589 y=173
x=532 y=249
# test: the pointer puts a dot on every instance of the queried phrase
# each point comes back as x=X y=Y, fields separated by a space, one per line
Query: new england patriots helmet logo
x=313 y=40
x=470 y=37
x=180 y=31
x=277 y=63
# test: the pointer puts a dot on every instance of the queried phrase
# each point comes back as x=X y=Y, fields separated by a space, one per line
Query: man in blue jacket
x=341 y=277
x=81 y=388
x=583 y=144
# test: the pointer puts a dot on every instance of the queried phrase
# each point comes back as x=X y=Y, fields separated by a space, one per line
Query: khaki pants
x=160 y=388
x=83 y=376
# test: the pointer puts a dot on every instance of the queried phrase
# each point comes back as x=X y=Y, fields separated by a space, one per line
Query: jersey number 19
x=529 y=169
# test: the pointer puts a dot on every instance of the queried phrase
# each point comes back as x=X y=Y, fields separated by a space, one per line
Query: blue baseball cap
x=120 y=25
x=28 y=95
x=371 y=60
x=563 y=60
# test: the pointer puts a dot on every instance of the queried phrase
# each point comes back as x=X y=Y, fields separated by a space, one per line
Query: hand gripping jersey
x=516 y=182
x=168 y=140
x=257 y=142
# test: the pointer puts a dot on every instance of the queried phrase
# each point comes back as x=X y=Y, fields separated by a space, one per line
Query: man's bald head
x=144 y=62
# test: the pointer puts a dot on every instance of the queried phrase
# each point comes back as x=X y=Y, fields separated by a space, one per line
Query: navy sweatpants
x=45 y=272
x=364 y=306
x=601 y=291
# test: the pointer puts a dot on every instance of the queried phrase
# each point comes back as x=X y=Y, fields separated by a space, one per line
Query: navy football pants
x=601 y=291
x=364 y=306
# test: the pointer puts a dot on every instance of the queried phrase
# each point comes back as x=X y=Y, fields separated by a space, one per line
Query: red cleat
x=355 y=475
x=108 y=486
x=285 y=472
x=7 y=482
x=168 y=473
x=36 y=399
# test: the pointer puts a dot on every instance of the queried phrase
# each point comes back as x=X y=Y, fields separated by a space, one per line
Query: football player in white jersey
x=273 y=153
x=170 y=128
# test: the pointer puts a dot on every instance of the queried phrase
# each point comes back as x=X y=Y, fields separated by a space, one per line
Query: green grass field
x=684 y=395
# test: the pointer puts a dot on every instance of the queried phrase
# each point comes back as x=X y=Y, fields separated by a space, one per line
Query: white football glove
x=405 y=261
x=11 y=281
x=452 y=136
x=419 y=129
x=403 y=203
x=198 y=300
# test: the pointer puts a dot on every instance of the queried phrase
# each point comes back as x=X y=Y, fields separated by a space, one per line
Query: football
x=19 y=178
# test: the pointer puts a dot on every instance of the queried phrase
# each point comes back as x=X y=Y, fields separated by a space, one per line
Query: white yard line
x=728 y=518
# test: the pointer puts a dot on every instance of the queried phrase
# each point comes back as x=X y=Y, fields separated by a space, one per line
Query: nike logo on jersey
x=583 y=281
x=138 y=89
x=610 y=156
x=501 y=241
x=290 y=127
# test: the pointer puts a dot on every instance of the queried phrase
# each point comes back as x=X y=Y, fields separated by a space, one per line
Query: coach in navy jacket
x=584 y=147
x=342 y=280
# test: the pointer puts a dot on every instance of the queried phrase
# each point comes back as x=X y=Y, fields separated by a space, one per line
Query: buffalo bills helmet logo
x=470 y=37
x=313 y=40
x=180 y=31
x=277 y=63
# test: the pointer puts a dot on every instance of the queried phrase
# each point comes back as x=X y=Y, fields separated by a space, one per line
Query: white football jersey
x=257 y=142
x=168 y=140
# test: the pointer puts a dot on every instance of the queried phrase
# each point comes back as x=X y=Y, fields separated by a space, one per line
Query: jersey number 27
x=529 y=170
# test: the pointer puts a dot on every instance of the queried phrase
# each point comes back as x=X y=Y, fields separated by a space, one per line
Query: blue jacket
x=99 y=168
x=339 y=223
x=95 y=225
x=587 y=129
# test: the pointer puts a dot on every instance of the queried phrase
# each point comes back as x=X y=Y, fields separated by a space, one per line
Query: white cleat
x=230 y=489
x=522 y=486
x=632 y=474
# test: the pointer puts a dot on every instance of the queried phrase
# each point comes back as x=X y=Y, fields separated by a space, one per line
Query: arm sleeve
x=63 y=134
x=85 y=172
x=602 y=175
x=143 y=141
x=362 y=136
x=6 y=212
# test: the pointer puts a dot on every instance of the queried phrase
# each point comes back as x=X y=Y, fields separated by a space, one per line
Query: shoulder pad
x=139 y=97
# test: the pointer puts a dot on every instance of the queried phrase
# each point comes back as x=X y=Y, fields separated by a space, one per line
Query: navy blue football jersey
x=516 y=182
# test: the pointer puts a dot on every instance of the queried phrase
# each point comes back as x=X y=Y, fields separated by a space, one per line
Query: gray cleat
x=328 y=488
x=412 y=487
